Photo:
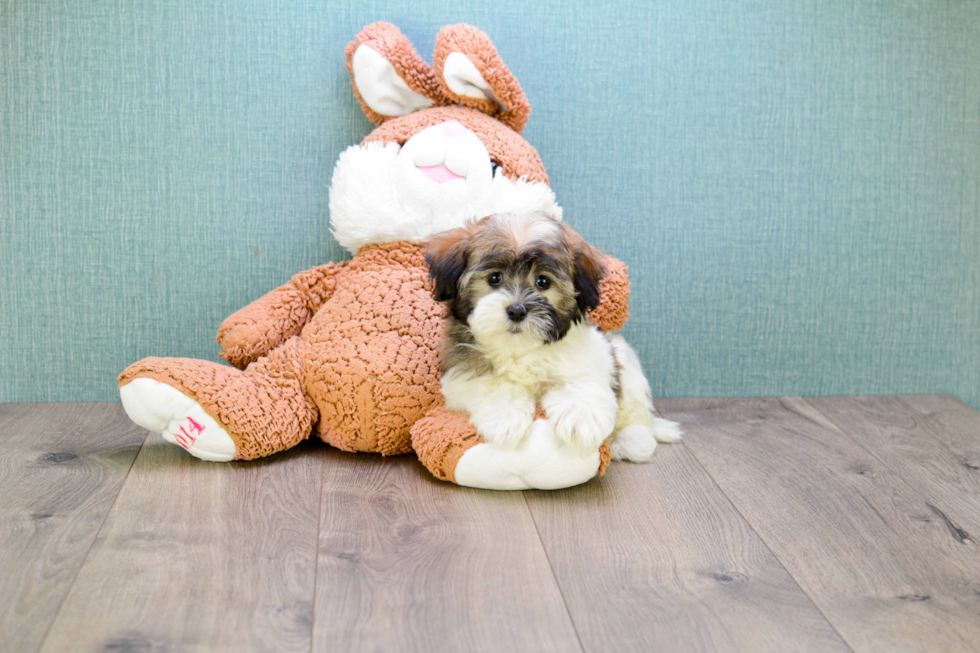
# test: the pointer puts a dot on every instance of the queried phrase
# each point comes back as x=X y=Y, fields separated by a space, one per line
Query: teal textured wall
x=794 y=184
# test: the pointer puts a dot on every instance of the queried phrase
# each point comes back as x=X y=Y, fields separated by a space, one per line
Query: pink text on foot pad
x=185 y=439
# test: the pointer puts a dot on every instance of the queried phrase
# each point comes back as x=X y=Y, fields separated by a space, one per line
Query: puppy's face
x=515 y=281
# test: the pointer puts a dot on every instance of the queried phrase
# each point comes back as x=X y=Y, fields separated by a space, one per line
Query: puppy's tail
x=638 y=425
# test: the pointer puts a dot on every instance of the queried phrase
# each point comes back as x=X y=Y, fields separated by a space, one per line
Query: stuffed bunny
x=351 y=348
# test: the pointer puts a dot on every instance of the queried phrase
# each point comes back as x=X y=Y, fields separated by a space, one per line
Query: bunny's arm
x=253 y=331
x=614 y=294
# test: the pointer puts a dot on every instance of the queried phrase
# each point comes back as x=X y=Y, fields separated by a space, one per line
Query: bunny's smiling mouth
x=439 y=174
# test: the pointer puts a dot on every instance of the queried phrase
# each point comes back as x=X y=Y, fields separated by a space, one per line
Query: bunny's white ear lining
x=464 y=79
x=380 y=86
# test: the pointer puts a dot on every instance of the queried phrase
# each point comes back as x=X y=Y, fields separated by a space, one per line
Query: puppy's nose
x=516 y=312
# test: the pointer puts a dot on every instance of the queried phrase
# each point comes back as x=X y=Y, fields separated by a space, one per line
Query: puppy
x=518 y=290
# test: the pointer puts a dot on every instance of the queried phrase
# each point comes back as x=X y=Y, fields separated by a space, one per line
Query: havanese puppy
x=518 y=290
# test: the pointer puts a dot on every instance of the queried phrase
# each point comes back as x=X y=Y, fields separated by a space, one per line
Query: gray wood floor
x=777 y=525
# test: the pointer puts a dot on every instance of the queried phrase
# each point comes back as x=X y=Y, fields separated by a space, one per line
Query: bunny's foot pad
x=449 y=447
x=541 y=462
x=161 y=409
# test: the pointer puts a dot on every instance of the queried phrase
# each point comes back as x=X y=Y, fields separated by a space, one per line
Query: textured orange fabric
x=372 y=362
x=367 y=363
x=614 y=295
x=505 y=146
x=441 y=438
x=268 y=322
x=605 y=457
x=264 y=409
x=388 y=40
x=478 y=48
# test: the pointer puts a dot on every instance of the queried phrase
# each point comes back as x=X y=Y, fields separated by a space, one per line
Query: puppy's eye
x=495 y=279
x=543 y=283
x=493 y=168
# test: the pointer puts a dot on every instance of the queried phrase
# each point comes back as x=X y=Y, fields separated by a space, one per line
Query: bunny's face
x=447 y=147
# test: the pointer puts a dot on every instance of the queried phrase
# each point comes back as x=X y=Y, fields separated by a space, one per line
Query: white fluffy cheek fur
x=492 y=329
x=378 y=196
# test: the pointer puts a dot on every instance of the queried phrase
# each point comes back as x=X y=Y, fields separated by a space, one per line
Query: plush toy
x=352 y=348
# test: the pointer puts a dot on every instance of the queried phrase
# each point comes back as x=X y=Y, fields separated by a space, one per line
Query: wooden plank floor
x=777 y=525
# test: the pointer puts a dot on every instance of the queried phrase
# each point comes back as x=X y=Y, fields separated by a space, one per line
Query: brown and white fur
x=518 y=289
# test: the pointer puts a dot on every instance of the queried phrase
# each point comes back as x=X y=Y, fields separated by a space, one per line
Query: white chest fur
x=583 y=352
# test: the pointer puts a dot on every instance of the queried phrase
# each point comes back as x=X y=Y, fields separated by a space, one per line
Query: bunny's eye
x=494 y=166
x=495 y=279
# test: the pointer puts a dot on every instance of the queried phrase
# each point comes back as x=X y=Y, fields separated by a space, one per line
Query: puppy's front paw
x=581 y=420
x=507 y=426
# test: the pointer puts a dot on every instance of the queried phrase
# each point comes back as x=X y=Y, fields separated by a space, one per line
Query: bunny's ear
x=473 y=74
x=390 y=79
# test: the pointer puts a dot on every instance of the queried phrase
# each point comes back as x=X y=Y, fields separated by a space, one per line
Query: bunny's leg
x=449 y=447
x=220 y=413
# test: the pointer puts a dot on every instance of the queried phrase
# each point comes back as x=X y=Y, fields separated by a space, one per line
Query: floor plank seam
x=91 y=545
x=551 y=568
x=316 y=560
x=925 y=500
x=766 y=544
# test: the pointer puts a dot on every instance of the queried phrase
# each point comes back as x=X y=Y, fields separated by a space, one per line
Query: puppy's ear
x=448 y=255
x=589 y=266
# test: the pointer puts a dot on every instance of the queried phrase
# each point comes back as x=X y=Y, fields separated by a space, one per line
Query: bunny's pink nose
x=453 y=129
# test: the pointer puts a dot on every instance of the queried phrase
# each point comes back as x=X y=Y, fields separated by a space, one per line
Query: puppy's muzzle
x=516 y=312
